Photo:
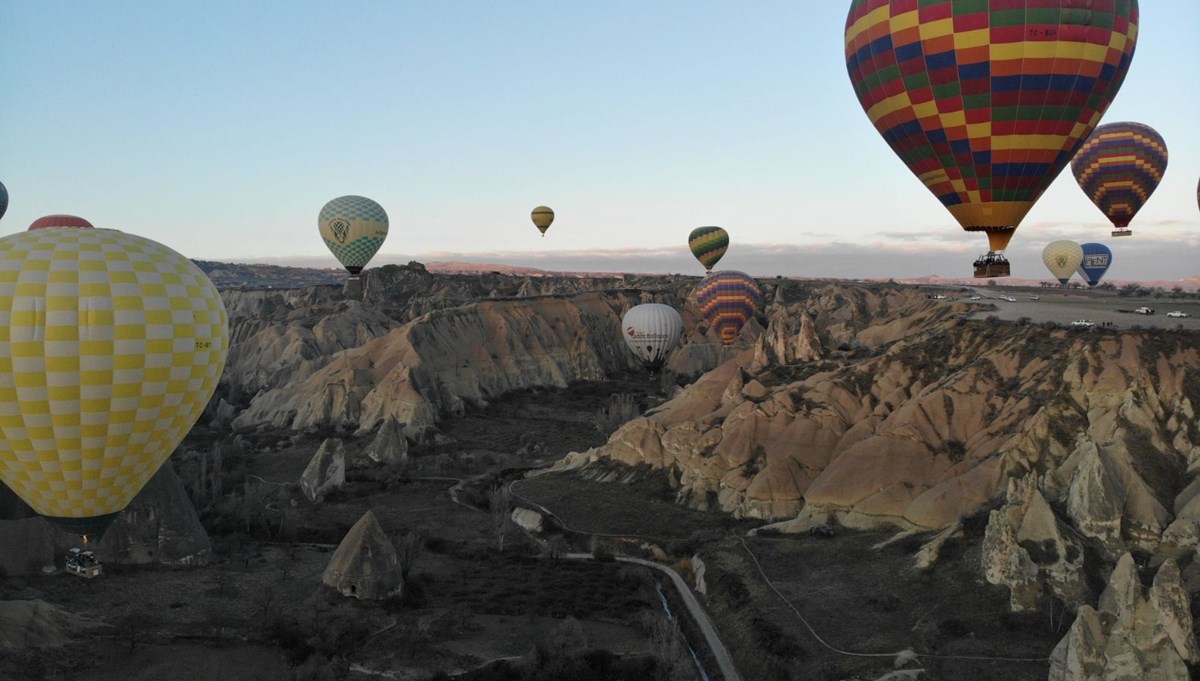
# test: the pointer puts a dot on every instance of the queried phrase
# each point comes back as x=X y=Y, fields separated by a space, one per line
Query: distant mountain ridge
x=255 y=276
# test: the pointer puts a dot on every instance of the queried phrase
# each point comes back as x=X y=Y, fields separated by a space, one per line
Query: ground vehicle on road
x=976 y=298
x=1177 y=313
x=1144 y=310
x=1083 y=323
x=1035 y=297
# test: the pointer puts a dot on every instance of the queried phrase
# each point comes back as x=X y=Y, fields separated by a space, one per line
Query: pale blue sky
x=221 y=128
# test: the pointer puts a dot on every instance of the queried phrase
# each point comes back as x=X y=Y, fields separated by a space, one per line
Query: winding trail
x=699 y=615
x=720 y=653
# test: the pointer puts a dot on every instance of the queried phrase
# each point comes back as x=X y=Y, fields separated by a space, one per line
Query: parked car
x=976 y=298
x=1035 y=297
x=1083 y=323
x=1144 y=310
x=1177 y=313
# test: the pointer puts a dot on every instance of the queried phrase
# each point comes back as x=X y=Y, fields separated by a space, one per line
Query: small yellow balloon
x=542 y=217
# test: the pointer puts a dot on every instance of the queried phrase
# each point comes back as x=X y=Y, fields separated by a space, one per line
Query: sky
x=221 y=128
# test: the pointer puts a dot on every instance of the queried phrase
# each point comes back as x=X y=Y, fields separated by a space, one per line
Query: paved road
x=724 y=659
x=1065 y=306
x=719 y=651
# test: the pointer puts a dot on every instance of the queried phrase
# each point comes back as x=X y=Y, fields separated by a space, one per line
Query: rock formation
x=38 y=624
x=389 y=446
x=365 y=565
x=159 y=526
x=326 y=471
x=1134 y=633
x=1027 y=548
x=921 y=419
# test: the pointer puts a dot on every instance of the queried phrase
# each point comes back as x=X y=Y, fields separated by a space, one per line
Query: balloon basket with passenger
x=991 y=265
x=83 y=563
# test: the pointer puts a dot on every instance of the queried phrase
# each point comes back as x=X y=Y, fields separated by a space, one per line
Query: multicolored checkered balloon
x=728 y=299
x=353 y=228
x=110 y=348
x=1119 y=167
x=708 y=244
x=986 y=101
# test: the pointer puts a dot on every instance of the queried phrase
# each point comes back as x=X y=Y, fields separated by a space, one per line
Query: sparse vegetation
x=621 y=409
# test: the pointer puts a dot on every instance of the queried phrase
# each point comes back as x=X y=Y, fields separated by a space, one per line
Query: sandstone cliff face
x=1134 y=633
x=933 y=427
x=438 y=363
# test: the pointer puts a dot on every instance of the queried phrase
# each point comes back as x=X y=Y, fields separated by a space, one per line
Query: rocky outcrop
x=441 y=362
x=1029 y=550
x=528 y=519
x=27 y=547
x=365 y=564
x=1134 y=633
x=927 y=429
x=34 y=623
x=326 y=471
x=389 y=447
x=160 y=526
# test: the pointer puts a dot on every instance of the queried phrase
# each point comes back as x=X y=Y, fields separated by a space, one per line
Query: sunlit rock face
x=326 y=471
x=1134 y=632
x=922 y=419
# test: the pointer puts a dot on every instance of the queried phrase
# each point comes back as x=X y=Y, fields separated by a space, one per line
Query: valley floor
x=260 y=611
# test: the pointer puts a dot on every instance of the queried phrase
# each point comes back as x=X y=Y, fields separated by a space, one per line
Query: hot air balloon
x=986 y=102
x=1062 y=258
x=1096 y=259
x=728 y=299
x=651 y=331
x=542 y=217
x=353 y=228
x=708 y=244
x=111 y=348
x=3 y=200
x=50 y=221
x=1119 y=167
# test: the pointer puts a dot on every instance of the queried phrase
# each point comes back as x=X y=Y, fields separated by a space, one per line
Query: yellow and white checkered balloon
x=110 y=347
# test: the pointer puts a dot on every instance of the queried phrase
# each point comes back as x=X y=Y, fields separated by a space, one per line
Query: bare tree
x=500 y=503
x=263 y=599
x=409 y=548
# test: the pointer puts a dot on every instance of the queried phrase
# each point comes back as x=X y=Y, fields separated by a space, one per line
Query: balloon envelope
x=353 y=228
x=708 y=244
x=651 y=331
x=728 y=299
x=3 y=200
x=986 y=102
x=542 y=217
x=1062 y=258
x=1096 y=260
x=60 y=221
x=111 y=348
x=1119 y=167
